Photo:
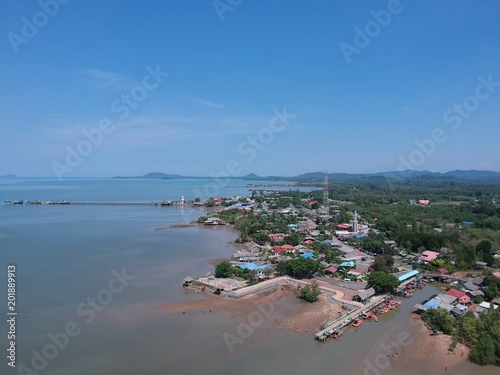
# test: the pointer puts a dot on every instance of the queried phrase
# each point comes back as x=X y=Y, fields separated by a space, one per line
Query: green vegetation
x=382 y=282
x=492 y=284
x=481 y=334
x=383 y=263
x=311 y=292
x=224 y=269
x=300 y=268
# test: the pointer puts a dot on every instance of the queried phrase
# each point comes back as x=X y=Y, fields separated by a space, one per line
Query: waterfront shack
x=187 y=281
x=364 y=295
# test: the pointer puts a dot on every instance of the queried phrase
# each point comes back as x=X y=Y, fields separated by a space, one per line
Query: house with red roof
x=428 y=256
x=288 y=248
x=278 y=250
x=330 y=270
x=443 y=271
x=283 y=249
x=463 y=298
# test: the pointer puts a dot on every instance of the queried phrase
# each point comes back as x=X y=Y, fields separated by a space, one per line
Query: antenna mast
x=326 y=201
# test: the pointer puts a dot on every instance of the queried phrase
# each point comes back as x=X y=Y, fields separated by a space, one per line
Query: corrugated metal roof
x=408 y=275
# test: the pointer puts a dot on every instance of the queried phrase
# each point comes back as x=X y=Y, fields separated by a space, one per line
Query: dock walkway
x=346 y=319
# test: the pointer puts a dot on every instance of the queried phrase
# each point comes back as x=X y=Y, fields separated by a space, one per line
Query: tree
x=383 y=263
x=299 y=267
x=483 y=251
x=492 y=284
x=382 y=282
x=439 y=319
x=310 y=292
x=468 y=329
x=223 y=269
x=484 y=352
x=252 y=276
x=465 y=257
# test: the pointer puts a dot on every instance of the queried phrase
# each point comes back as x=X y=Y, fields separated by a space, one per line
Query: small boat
x=357 y=322
x=337 y=334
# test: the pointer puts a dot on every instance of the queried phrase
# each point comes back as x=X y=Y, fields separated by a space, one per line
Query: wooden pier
x=346 y=319
x=163 y=203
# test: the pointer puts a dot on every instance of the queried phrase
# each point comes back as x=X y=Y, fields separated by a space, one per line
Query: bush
x=223 y=269
x=311 y=292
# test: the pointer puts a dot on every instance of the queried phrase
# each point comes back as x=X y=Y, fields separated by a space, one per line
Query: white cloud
x=103 y=79
x=202 y=102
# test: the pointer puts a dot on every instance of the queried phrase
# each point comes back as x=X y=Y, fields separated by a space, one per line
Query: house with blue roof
x=307 y=255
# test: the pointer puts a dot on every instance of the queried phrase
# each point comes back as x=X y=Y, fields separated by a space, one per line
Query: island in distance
x=319 y=176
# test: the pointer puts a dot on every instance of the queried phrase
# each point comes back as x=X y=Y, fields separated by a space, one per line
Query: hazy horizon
x=7 y=175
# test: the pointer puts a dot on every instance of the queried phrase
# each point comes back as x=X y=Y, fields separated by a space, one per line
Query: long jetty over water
x=102 y=203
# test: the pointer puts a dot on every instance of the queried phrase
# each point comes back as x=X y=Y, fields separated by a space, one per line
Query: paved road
x=352 y=285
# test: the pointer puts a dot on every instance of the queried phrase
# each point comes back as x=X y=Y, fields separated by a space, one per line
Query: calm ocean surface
x=66 y=255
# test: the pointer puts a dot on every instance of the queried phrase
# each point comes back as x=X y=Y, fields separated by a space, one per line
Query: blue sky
x=367 y=86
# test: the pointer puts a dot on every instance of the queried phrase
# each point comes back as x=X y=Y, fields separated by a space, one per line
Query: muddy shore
x=293 y=313
x=420 y=353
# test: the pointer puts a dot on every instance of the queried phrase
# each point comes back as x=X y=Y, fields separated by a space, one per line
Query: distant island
x=475 y=175
x=8 y=176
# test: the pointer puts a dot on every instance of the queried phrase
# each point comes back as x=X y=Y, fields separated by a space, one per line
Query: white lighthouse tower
x=182 y=200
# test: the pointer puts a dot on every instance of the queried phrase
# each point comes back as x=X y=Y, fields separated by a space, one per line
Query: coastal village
x=305 y=244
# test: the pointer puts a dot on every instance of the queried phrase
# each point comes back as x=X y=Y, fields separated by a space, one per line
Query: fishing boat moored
x=357 y=322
